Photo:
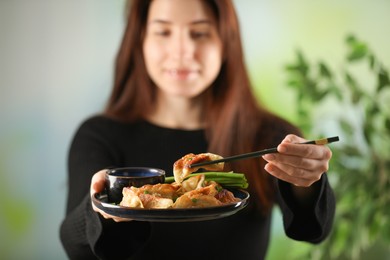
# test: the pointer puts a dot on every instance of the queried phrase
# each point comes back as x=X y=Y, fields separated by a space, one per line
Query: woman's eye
x=199 y=35
x=162 y=33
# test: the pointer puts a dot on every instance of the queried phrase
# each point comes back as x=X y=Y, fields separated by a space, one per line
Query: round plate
x=172 y=215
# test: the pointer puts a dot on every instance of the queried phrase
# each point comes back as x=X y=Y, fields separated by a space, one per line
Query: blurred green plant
x=16 y=217
x=360 y=168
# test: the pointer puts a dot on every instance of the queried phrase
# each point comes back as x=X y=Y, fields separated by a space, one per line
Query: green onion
x=225 y=179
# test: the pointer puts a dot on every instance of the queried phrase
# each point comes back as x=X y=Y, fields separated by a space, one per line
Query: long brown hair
x=234 y=118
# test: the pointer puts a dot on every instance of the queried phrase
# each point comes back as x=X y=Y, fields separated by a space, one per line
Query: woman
x=181 y=87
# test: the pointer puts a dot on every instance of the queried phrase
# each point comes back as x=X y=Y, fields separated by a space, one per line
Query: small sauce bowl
x=118 y=178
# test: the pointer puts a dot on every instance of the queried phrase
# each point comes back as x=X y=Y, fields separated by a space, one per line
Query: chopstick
x=262 y=152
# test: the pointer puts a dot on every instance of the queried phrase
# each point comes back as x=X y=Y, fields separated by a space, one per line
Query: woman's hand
x=299 y=164
x=97 y=186
x=302 y=165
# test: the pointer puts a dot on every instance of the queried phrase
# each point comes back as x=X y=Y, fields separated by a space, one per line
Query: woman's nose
x=183 y=46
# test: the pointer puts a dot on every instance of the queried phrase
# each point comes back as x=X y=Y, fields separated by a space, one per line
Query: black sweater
x=100 y=143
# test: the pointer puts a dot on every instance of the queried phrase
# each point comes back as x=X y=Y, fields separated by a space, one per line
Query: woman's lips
x=181 y=74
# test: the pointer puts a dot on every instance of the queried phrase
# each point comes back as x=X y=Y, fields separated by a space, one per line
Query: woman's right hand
x=97 y=186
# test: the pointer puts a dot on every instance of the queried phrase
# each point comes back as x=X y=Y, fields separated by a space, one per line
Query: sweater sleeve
x=87 y=235
x=84 y=233
x=77 y=242
x=312 y=224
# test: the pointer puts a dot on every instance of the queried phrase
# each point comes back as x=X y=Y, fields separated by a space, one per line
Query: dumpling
x=192 y=183
x=199 y=198
x=154 y=202
x=181 y=168
x=131 y=198
x=149 y=196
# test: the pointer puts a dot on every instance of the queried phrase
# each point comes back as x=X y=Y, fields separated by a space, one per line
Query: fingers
x=108 y=216
x=291 y=146
x=288 y=162
x=98 y=182
x=298 y=164
x=296 y=177
x=97 y=185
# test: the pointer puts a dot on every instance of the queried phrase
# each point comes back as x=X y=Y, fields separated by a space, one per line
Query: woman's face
x=182 y=48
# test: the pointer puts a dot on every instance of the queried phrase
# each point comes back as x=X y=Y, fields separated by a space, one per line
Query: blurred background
x=56 y=64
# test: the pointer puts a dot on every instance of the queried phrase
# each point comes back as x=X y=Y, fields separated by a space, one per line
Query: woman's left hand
x=299 y=164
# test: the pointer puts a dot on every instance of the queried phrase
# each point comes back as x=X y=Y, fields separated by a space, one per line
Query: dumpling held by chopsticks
x=181 y=168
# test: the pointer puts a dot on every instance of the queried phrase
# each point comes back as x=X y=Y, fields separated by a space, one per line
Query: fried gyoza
x=199 y=198
x=192 y=183
x=154 y=202
x=181 y=168
x=149 y=196
x=194 y=192
x=163 y=190
x=130 y=198
x=226 y=196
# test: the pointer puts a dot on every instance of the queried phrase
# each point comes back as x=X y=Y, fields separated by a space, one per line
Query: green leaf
x=336 y=91
x=358 y=50
x=387 y=123
x=303 y=113
x=353 y=85
x=324 y=71
x=350 y=39
x=342 y=232
x=383 y=80
x=372 y=61
x=303 y=66
x=368 y=132
x=372 y=110
x=347 y=127
x=320 y=95
x=351 y=151
x=300 y=98
x=292 y=68
x=294 y=83
x=350 y=81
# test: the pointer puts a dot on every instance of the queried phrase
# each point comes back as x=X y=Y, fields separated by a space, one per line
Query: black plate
x=173 y=215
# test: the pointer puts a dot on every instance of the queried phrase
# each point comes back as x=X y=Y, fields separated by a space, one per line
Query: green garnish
x=225 y=179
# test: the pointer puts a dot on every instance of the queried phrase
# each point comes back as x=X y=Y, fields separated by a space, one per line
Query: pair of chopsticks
x=262 y=152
